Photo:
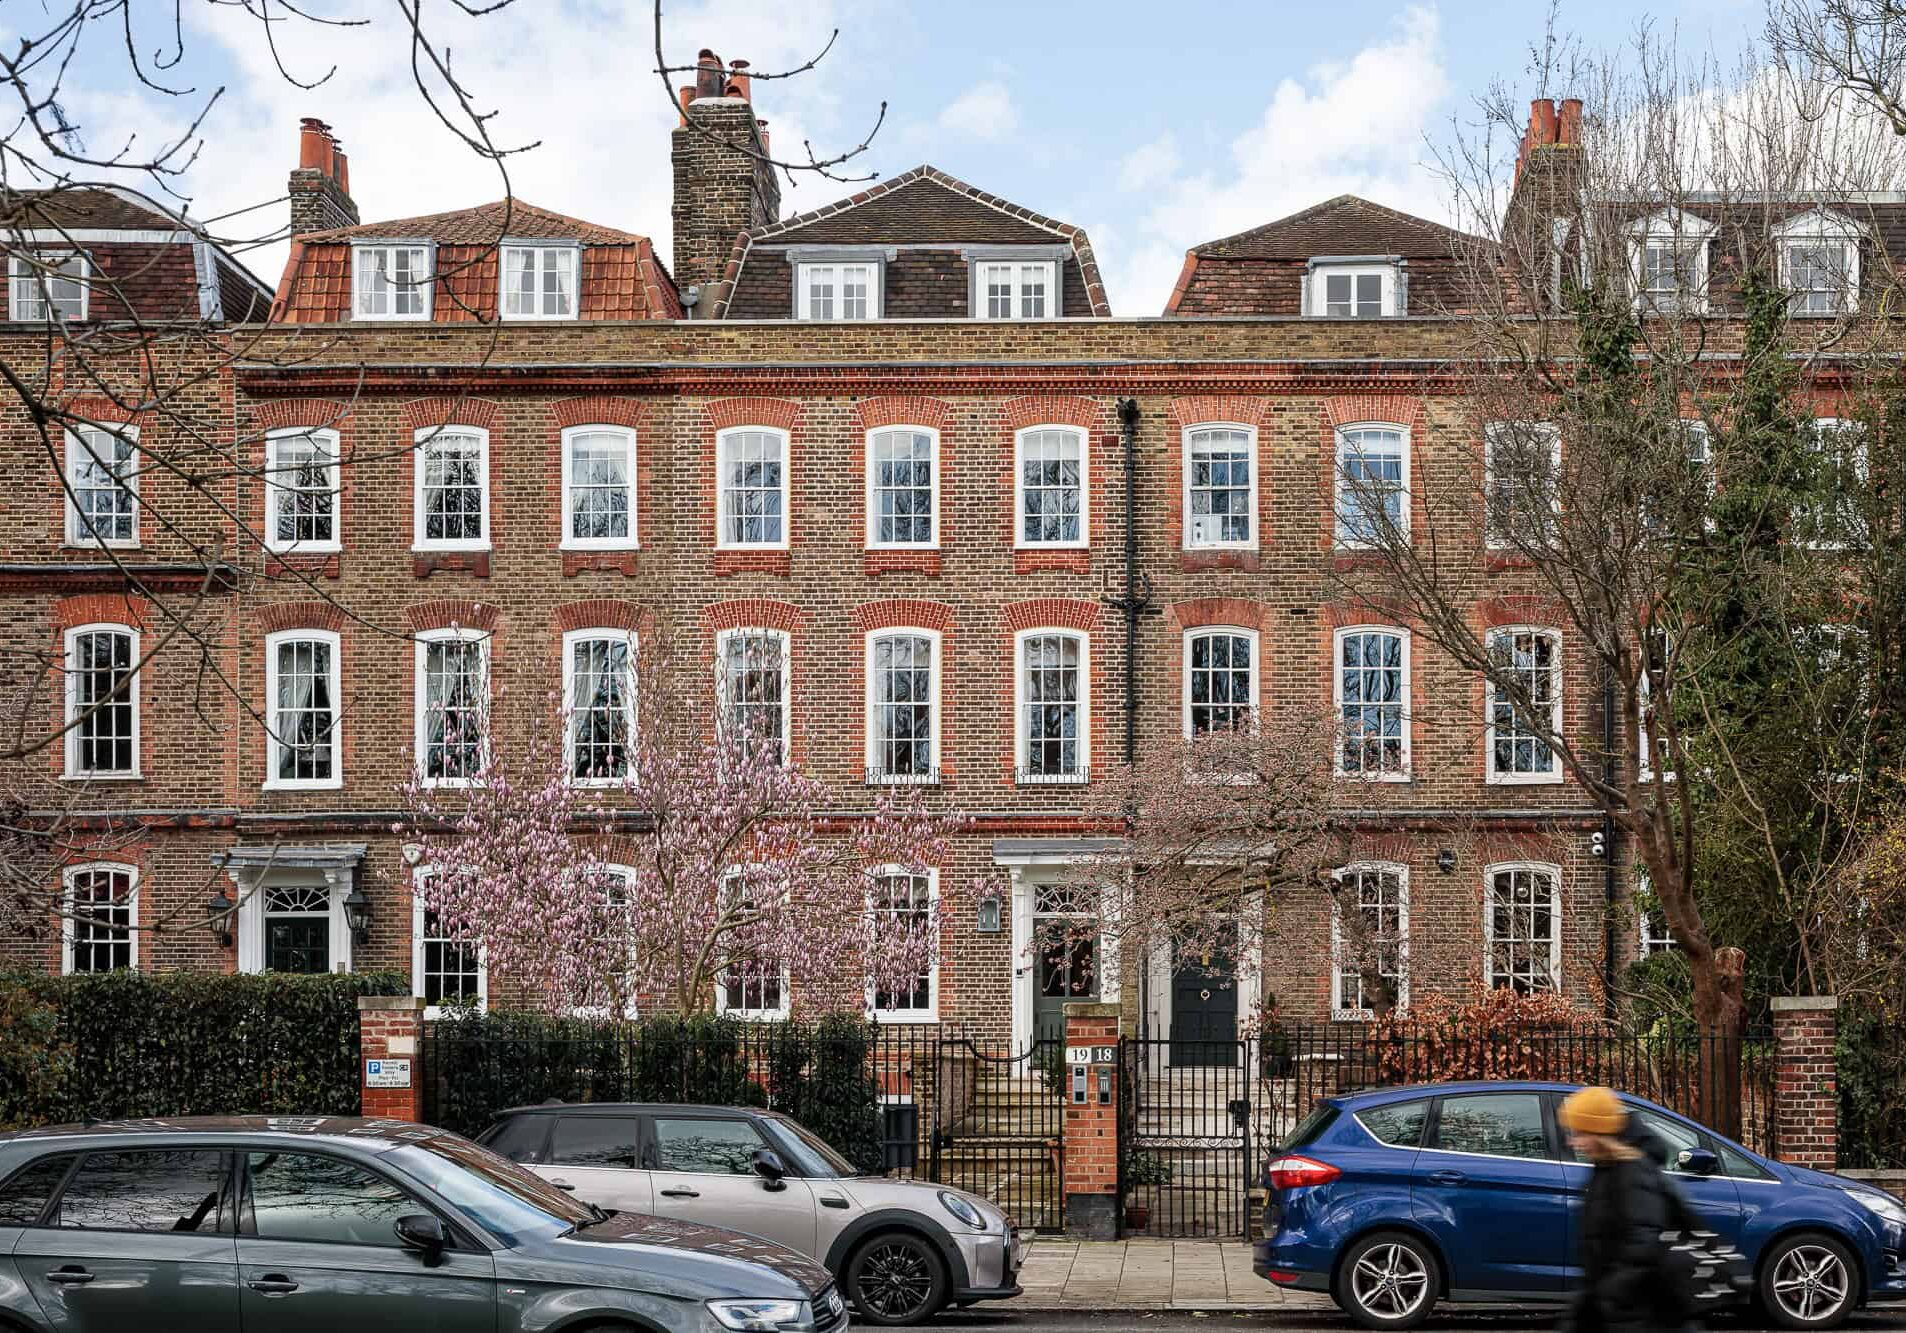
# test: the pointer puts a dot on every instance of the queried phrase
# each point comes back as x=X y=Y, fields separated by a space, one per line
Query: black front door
x=1204 y=1011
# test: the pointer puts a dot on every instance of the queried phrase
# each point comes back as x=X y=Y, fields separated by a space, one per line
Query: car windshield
x=510 y=1203
x=812 y=1157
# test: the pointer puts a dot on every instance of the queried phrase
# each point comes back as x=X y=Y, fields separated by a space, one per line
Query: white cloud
x=1354 y=126
x=985 y=111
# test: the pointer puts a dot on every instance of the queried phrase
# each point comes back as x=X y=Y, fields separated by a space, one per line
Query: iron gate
x=1184 y=1132
x=999 y=1126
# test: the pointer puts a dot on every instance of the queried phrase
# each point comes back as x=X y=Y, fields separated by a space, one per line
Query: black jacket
x=1624 y=1211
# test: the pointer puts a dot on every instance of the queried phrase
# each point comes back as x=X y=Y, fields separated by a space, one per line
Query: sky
x=1155 y=127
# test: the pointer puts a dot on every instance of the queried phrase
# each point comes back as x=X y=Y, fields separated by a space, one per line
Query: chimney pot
x=738 y=86
x=1571 y=121
x=709 y=81
x=314 y=145
x=1542 y=122
x=343 y=174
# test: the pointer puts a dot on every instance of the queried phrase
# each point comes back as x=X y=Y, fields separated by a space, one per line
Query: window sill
x=449 y=784
x=876 y=778
x=1523 y=779
x=303 y=548
x=755 y=1015
x=330 y=784
x=1343 y=775
x=599 y=546
x=905 y=1017
x=134 y=776
x=1022 y=778
x=73 y=543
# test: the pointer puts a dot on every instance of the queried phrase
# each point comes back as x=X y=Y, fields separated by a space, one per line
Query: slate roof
x=1346 y=225
x=924 y=206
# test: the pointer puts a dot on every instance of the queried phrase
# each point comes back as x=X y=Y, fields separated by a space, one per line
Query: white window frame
x=722 y=442
x=786 y=646
x=1341 y=491
x=69 y=927
x=1817 y=227
x=571 y=640
x=425 y=438
x=1022 y=729
x=26 y=286
x=1317 y=285
x=1492 y=432
x=1020 y=542
x=77 y=452
x=933 y=485
x=277 y=491
x=1822 y=428
x=1644 y=744
x=418 y=940
x=1190 y=537
x=426 y=289
x=1404 y=769
x=744 y=1013
x=875 y=774
x=1491 y=774
x=71 y=671
x=1647 y=942
x=930 y=1014
x=1682 y=231
x=421 y=699
x=540 y=250
x=1257 y=668
x=804 y=296
x=1339 y=1013
x=571 y=542
x=274 y=743
x=1019 y=267
x=1489 y=873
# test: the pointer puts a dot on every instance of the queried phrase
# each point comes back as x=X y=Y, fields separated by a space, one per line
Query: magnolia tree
x=606 y=861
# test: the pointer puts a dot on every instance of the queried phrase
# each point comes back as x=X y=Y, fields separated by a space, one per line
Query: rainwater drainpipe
x=1132 y=599
x=1609 y=883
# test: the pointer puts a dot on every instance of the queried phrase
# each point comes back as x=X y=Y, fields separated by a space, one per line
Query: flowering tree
x=602 y=862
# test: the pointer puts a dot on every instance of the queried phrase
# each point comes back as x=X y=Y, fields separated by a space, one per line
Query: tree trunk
x=1720 y=984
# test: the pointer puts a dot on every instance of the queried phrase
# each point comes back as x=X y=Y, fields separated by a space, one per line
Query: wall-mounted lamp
x=1446 y=859
x=357 y=914
x=218 y=918
x=987 y=915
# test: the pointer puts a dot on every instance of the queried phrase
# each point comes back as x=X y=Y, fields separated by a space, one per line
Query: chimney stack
x=320 y=185
x=723 y=185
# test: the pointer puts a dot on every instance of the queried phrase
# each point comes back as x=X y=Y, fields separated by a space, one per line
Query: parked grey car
x=253 y=1224
x=902 y=1249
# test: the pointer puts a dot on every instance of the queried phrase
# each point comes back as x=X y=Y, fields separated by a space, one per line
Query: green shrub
x=1871 y=1073
x=132 y=1044
x=840 y=1100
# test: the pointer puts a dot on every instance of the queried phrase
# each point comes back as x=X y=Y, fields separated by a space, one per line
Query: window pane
x=450 y=969
x=304 y=714
x=1522 y=929
x=601 y=496
x=753 y=687
x=105 y=479
x=906 y=902
x=593 y=1140
x=1219 y=682
x=1051 y=495
x=1219 y=488
x=298 y=928
x=1507 y=1124
x=602 y=695
x=303 y=490
x=452 y=488
x=722 y=1147
x=25 y=1196
x=1370 y=684
x=102 y=920
x=1528 y=660
x=903 y=705
x=903 y=487
x=752 y=482
x=1370 y=487
x=1400 y=1126
x=306 y=1197
x=1377 y=896
x=101 y=691
x=454 y=700
x=144 y=1191
x=1051 y=690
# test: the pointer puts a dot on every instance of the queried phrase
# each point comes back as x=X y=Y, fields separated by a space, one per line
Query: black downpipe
x=1610 y=886
x=1131 y=599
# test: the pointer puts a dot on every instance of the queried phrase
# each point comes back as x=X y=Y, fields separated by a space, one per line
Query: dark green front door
x=1067 y=971
x=1204 y=1012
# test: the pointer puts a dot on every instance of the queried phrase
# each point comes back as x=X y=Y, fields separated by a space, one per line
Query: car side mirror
x=425 y=1234
x=1698 y=1162
x=769 y=1166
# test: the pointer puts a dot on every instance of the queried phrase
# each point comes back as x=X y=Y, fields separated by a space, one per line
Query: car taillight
x=1290 y=1173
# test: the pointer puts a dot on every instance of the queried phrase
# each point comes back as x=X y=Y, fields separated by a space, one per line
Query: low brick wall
x=1893 y=1182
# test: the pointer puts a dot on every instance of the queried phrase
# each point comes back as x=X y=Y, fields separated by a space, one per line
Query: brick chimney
x=321 y=182
x=1545 y=205
x=721 y=184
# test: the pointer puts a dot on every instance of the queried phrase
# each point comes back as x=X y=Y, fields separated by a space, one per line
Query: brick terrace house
x=872 y=459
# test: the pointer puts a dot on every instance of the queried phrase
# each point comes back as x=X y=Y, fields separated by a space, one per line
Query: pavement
x=1063 y=1274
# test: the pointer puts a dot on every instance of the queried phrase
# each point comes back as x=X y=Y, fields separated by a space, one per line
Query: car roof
x=364 y=1134
x=637 y=1108
x=1353 y=1101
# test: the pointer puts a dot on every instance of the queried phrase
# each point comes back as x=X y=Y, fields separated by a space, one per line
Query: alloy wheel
x=1810 y=1283
x=1390 y=1281
x=894 y=1281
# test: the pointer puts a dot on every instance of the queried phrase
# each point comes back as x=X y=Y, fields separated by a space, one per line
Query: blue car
x=1393 y=1200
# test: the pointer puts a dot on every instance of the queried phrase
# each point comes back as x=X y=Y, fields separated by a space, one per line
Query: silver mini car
x=900 y=1249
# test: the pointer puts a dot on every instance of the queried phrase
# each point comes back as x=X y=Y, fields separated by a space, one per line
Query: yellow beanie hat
x=1594 y=1111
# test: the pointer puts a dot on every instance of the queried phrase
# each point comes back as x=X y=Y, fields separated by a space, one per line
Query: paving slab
x=1064 y=1274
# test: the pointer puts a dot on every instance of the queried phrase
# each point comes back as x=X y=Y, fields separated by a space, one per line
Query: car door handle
x=70 y=1276
x=563 y=1185
x=274 y=1284
x=681 y=1194
x=1447 y=1177
x=833 y=1201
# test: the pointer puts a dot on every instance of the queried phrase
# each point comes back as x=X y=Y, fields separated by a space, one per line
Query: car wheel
x=1388 y=1280
x=1809 y=1281
x=896 y=1278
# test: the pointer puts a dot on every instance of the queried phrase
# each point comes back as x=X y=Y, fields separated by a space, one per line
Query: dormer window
x=837 y=290
x=539 y=281
x=1668 y=262
x=391 y=281
x=1354 y=289
x=46 y=287
x=1819 y=256
x=1015 y=289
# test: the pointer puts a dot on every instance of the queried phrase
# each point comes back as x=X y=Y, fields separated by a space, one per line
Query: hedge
x=121 y=1045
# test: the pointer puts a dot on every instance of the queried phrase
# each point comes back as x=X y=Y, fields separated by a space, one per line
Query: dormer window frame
x=875 y=257
x=1049 y=257
x=1679 y=230
x=539 y=247
x=1821 y=226
x=1392 y=271
x=427 y=286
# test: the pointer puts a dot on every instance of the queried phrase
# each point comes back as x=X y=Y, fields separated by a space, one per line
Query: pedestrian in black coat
x=1625 y=1284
